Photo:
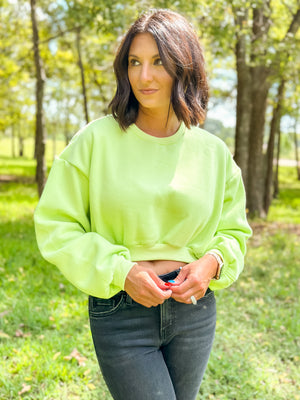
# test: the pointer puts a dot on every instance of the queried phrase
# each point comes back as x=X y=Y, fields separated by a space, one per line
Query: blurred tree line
x=56 y=72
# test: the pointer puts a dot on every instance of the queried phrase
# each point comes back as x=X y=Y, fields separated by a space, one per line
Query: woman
x=145 y=212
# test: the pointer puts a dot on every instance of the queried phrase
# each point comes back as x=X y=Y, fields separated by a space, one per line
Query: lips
x=148 y=91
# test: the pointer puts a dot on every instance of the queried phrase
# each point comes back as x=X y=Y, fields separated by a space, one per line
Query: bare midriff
x=161 y=267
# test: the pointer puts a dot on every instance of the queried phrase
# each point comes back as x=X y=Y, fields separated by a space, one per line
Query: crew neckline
x=155 y=139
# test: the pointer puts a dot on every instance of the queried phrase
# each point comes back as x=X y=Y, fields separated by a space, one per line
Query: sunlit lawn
x=287 y=207
x=45 y=345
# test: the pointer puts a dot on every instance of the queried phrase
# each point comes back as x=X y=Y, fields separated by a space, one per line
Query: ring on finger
x=193 y=300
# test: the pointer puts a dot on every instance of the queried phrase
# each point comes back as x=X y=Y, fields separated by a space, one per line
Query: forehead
x=144 y=44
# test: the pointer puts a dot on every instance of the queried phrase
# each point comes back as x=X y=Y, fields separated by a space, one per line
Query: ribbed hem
x=121 y=272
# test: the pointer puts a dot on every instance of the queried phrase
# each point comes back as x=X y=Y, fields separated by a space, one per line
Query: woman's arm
x=229 y=242
x=64 y=236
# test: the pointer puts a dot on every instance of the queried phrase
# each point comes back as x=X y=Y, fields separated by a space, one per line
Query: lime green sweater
x=115 y=197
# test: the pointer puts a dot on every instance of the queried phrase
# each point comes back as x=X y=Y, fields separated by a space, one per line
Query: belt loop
x=128 y=299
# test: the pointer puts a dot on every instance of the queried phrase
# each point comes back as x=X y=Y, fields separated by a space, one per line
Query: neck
x=156 y=124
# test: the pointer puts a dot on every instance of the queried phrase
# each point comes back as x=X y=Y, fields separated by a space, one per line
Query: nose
x=146 y=74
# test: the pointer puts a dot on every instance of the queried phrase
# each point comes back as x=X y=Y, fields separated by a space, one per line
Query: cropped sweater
x=115 y=197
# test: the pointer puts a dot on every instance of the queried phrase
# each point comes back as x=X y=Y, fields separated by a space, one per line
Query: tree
x=243 y=105
x=255 y=69
x=274 y=130
x=80 y=64
x=15 y=84
x=284 y=66
x=291 y=108
x=297 y=158
x=40 y=133
x=254 y=39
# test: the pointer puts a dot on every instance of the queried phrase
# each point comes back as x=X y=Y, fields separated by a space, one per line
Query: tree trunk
x=296 y=149
x=40 y=131
x=275 y=126
x=293 y=28
x=13 y=150
x=252 y=98
x=54 y=140
x=243 y=106
x=80 y=64
x=66 y=131
x=21 y=146
x=21 y=141
x=259 y=94
x=276 y=175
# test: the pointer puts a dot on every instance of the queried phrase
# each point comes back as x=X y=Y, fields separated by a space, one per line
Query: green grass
x=6 y=148
x=43 y=318
x=255 y=352
x=17 y=167
x=286 y=207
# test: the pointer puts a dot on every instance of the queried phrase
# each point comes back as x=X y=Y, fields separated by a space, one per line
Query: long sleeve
x=232 y=231
x=65 y=239
x=115 y=197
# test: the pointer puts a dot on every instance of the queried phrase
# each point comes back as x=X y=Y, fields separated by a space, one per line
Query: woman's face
x=150 y=82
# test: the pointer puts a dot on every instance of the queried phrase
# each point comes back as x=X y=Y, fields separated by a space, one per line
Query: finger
x=182 y=288
x=152 y=301
x=149 y=300
x=162 y=289
x=181 y=277
x=185 y=297
x=156 y=292
x=194 y=282
x=159 y=282
x=144 y=290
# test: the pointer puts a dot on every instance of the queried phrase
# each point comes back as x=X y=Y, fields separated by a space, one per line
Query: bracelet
x=219 y=261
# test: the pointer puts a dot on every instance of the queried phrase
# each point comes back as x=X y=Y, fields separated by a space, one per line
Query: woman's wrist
x=218 y=263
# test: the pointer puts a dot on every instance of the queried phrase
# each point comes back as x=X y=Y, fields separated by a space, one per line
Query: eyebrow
x=133 y=55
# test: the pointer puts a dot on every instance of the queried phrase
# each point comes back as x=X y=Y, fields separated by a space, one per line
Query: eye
x=158 y=61
x=133 y=62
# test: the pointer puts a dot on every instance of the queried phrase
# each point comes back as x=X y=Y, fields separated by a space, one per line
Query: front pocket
x=207 y=298
x=104 y=307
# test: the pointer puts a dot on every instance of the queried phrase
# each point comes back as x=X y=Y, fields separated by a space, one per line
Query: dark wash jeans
x=157 y=353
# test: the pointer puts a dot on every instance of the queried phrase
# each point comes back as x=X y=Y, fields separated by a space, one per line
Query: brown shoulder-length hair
x=183 y=59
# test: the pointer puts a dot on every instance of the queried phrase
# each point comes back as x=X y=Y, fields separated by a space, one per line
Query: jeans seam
x=167 y=309
x=161 y=322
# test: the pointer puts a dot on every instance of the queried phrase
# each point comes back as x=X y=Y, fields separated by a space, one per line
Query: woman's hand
x=194 y=278
x=145 y=287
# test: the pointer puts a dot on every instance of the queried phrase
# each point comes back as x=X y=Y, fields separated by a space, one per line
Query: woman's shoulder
x=205 y=138
x=87 y=139
x=218 y=150
x=105 y=122
x=97 y=127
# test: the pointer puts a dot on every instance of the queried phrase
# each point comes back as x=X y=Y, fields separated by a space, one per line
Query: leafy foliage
x=102 y=23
